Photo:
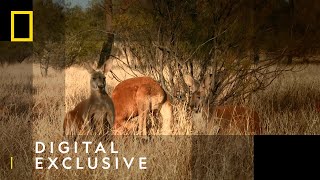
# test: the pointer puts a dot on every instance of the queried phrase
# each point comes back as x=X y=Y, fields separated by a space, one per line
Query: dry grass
x=288 y=106
x=35 y=111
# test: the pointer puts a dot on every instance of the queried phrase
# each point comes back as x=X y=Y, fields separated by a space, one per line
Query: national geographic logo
x=16 y=18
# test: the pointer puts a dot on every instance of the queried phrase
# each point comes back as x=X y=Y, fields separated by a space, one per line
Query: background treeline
x=264 y=25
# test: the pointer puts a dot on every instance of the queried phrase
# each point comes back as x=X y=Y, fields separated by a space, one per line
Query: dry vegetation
x=286 y=107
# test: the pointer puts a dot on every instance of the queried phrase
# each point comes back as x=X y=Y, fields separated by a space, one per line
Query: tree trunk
x=254 y=50
x=291 y=8
x=289 y=59
x=44 y=63
x=108 y=43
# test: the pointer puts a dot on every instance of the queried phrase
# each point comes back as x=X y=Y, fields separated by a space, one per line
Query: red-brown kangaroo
x=224 y=119
x=137 y=97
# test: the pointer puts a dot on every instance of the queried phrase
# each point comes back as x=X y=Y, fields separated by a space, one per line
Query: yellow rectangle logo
x=30 y=38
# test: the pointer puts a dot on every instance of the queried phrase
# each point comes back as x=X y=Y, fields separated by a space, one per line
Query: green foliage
x=185 y=28
x=70 y=35
x=84 y=29
x=49 y=22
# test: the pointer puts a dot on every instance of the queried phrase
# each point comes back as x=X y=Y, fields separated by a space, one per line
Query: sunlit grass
x=33 y=108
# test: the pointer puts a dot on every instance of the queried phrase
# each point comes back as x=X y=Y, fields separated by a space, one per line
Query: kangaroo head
x=199 y=91
x=98 y=78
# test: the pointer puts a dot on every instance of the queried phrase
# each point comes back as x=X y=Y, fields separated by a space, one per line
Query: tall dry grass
x=33 y=108
x=15 y=120
x=289 y=105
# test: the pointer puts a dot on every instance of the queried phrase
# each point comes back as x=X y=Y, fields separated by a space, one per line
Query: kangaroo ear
x=107 y=66
x=193 y=85
x=95 y=65
x=89 y=67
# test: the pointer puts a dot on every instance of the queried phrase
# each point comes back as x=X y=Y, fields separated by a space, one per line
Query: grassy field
x=33 y=107
x=289 y=105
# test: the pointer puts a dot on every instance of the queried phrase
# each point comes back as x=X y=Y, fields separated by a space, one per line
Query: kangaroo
x=94 y=115
x=220 y=119
x=137 y=97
